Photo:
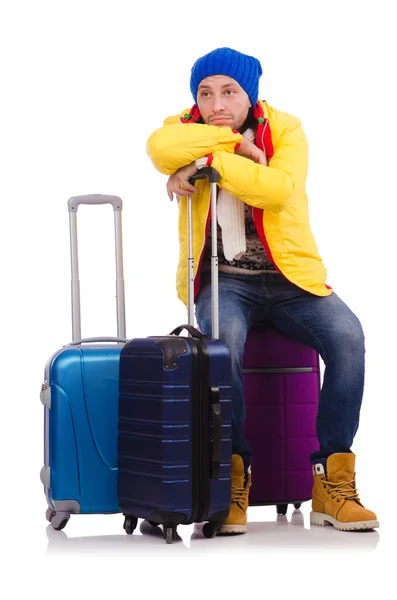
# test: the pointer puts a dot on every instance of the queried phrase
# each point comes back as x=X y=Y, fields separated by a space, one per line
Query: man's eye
x=205 y=94
x=229 y=92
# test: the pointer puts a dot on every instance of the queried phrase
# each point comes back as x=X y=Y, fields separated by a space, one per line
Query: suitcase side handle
x=195 y=333
x=213 y=176
x=215 y=407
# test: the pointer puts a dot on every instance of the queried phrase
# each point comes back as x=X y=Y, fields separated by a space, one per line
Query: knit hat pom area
x=244 y=69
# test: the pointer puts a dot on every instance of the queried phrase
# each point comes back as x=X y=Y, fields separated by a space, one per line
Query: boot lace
x=239 y=495
x=346 y=490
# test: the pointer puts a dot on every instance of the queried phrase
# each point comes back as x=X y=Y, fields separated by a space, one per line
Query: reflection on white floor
x=282 y=533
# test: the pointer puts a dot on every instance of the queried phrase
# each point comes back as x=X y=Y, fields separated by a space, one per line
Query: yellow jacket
x=275 y=192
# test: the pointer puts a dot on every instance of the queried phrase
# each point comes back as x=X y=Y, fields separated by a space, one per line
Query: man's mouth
x=219 y=119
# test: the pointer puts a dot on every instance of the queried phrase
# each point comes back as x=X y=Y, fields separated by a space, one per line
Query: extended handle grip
x=115 y=201
x=215 y=408
x=205 y=173
x=94 y=340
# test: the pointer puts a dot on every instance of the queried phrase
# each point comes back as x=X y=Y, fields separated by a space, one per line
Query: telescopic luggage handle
x=215 y=406
x=213 y=177
x=73 y=204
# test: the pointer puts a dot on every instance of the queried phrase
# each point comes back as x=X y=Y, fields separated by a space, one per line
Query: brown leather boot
x=236 y=522
x=335 y=499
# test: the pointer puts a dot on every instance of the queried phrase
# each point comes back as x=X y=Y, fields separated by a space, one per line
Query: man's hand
x=178 y=182
x=249 y=150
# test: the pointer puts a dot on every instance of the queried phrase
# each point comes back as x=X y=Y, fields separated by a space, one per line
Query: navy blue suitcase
x=80 y=397
x=175 y=432
x=175 y=414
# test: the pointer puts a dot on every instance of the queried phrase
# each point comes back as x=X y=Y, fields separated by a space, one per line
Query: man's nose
x=218 y=104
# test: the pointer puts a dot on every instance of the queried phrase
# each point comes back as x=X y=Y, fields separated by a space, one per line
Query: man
x=268 y=261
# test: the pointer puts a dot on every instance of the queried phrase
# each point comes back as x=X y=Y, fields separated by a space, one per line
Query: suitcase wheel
x=152 y=523
x=282 y=509
x=170 y=534
x=62 y=525
x=49 y=513
x=130 y=524
x=58 y=520
x=297 y=505
x=211 y=529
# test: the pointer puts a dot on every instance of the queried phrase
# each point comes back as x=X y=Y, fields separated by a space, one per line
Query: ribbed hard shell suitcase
x=281 y=387
x=175 y=422
x=80 y=396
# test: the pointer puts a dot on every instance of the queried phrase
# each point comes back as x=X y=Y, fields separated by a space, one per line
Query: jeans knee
x=353 y=336
x=233 y=332
x=349 y=340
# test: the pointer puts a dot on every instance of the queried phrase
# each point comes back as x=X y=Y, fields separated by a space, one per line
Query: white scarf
x=231 y=215
x=231 y=219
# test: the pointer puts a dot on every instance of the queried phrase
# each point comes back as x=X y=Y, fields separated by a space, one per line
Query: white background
x=83 y=84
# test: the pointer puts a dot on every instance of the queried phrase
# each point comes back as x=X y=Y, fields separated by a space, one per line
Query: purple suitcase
x=281 y=387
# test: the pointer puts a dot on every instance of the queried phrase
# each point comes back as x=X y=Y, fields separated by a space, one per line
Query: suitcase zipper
x=196 y=429
x=204 y=473
x=200 y=430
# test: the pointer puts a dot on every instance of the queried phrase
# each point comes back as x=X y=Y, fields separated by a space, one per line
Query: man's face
x=222 y=102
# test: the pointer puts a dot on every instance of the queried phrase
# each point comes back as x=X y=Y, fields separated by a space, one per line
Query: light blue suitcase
x=80 y=397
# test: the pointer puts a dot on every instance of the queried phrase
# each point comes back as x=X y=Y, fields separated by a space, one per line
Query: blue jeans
x=323 y=323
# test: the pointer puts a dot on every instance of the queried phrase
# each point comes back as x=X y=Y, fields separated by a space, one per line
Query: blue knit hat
x=245 y=69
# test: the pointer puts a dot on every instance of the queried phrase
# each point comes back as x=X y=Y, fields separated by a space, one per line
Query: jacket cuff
x=237 y=146
x=202 y=162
